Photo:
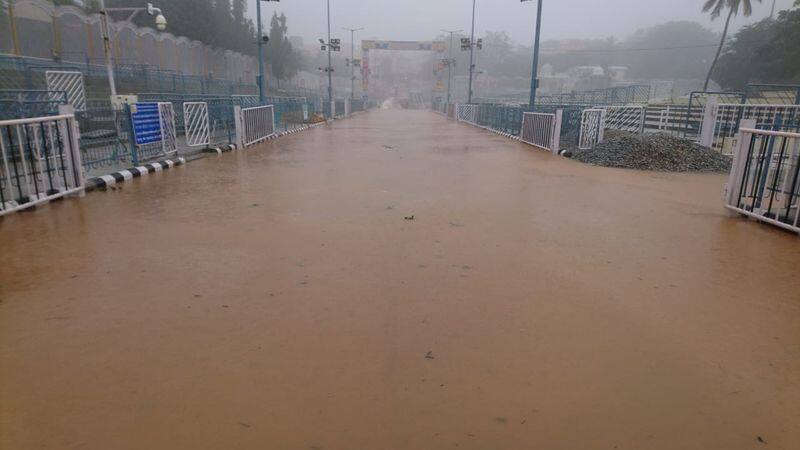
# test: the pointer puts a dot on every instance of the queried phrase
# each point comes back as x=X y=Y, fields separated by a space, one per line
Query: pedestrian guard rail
x=40 y=161
x=592 y=128
x=764 y=182
x=722 y=121
x=197 y=123
x=254 y=125
x=542 y=130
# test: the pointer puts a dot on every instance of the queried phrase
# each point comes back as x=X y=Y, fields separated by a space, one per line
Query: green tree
x=681 y=53
x=716 y=7
x=282 y=58
x=766 y=52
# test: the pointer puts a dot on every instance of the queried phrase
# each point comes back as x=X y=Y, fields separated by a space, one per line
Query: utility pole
x=262 y=92
x=450 y=62
x=332 y=45
x=352 y=60
x=330 y=59
x=772 y=13
x=107 y=48
x=471 y=53
x=535 y=73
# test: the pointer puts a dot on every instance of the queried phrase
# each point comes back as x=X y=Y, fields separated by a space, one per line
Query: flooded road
x=276 y=298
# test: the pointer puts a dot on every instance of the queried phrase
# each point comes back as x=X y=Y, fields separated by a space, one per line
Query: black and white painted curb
x=221 y=149
x=279 y=134
x=122 y=176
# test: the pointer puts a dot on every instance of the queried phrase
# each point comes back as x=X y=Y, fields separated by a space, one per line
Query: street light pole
x=450 y=62
x=330 y=58
x=107 y=48
x=535 y=72
x=471 y=54
x=261 y=94
x=352 y=60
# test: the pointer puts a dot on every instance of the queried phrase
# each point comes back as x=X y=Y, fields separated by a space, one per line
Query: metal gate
x=592 y=128
x=542 y=130
x=764 y=182
x=69 y=82
x=625 y=118
x=467 y=113
x=40 y=160
x=169 y=135
x=196 y=123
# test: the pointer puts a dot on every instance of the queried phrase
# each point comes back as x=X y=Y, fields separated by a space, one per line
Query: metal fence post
x=709 y=122
x=237 y=122
x=131 y=136
x=733 y=188
x=556 y=146
x=642 y=120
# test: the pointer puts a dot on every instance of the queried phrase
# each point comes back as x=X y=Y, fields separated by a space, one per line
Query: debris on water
x=244 y=425
x=761 y=440
x=225 y=306
x=429 y=355
x=653 y=151
x=409 y=218
x=456 y=225
x=501 y=420
x=387 y=147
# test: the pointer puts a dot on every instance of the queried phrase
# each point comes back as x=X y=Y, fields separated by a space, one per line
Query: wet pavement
x=277 y=298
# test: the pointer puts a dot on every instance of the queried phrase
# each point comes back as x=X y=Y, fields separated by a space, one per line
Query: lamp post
x=535 y=73
x=161 y=24
x=352 y=60
x=332 y=45
x=262 y=92
x=471 y=53
x=450 y=62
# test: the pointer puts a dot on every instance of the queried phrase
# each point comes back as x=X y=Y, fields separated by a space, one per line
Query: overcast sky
x=421 y=19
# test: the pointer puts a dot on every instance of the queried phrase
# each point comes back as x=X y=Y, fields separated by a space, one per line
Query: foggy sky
x=422 y=19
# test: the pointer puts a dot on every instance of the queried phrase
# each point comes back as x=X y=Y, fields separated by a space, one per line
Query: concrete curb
x=221 y=149
x=122 y=176
x=296 y=130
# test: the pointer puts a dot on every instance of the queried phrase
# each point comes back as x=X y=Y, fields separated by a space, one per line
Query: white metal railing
x=467 y=113
x=196 y=123
x=625 y=118
x=254 y=125
x=592 y=128
x=169 y=133
x=721 y=122
x=70 y=82
x=764 y=182
x=40 y=160
x=542 y=130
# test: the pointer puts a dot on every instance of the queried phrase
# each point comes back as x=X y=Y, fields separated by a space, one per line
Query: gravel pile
x=657 y=151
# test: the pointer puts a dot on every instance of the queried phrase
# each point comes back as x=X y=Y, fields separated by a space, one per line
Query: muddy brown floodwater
x=276 y=298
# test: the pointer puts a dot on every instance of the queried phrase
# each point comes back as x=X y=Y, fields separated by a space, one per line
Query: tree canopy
x=284 y=61
x=766 y=52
